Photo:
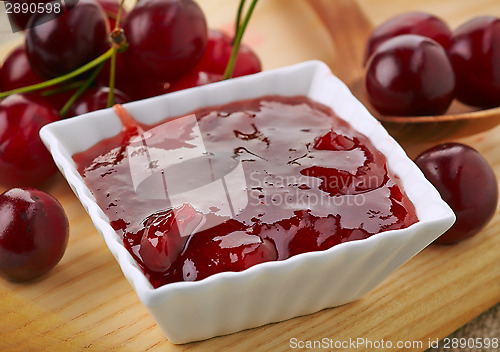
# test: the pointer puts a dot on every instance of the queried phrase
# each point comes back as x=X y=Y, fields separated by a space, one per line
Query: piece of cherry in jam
x=228 y=187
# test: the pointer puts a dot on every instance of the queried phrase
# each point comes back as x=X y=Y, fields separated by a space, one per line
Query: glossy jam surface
x=229 y=187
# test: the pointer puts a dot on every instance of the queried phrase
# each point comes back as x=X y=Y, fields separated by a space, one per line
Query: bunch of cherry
x=84 y=60
x=415 y=65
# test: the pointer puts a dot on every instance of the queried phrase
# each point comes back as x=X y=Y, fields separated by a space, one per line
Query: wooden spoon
x=349 y=29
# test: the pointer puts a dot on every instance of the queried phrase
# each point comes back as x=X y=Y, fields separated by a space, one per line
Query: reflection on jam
x=228 y=187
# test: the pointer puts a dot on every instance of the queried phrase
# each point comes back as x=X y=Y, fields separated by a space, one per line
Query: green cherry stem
x=119 y=44
x=119 y=14
x=65 y=88
x=228 y=73
x=97 y=61
x=238 y=17
x=112 y=76
x=112 y=70
x=64 y=110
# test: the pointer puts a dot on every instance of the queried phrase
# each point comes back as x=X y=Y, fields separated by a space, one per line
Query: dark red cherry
x=24 y=160
x=165 y=236
x=466 y=182
x=213 y=63
x=166 y=38
x=194 y=79
x=335 y=142
x=229 y=251
x=310 y=234
x=121 y=73
x=33 y=235
x=131 y=82
x=369 y=176
x=96 y=99
x=16 y=71
x=67 y=42
x=420 y=23
x=58 y=100
x=218 y=52
x=138 y=88
x=410 y=75
x=475 y=56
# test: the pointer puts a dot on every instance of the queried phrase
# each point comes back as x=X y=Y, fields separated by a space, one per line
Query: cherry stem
x=119 y=43
x=228 y=73
x=97 y=61
x=64 y=110
x=238 y=18
x=112 y=71
x=112 y=76
x=65 y=88
x=119 y=15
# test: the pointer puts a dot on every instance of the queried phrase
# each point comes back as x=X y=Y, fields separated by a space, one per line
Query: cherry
x=164 y=246
x=230 y=250
x=95 y=99
x=371 y=175
x=137 y=85
x=335 y=142
x=131 y=82
x=111 y=8
x=166 y=38
x=475 y=56
x=58 y=100
x=16 y=71
x=194 y=79
x=67 y=42
x=24 y=160
x=165 y=236
x=218 y=52
x=466 y=182
x=141 y=87
x=214 y=61
x=410 y=75
x=33 y=235
x=306 y=236
x=124 y=79
x=420 y=23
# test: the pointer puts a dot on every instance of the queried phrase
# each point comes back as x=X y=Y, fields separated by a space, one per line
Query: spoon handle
x=349 y=29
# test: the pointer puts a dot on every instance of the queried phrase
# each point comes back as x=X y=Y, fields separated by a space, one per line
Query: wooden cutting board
x=86 y=303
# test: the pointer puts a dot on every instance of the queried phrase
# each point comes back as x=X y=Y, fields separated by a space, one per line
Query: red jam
x=228 y=187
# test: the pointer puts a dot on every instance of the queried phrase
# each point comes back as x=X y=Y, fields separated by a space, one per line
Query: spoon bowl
x=350 y=29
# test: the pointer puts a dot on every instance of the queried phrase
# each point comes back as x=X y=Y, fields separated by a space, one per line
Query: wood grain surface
x=85 y=303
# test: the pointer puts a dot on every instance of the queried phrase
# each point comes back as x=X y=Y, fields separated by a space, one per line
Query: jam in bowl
x=227 y=187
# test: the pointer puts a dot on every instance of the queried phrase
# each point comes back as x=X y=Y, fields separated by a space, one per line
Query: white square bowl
x=228 y=302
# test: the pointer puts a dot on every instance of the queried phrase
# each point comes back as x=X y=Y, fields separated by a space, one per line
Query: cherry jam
x=228 y=187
